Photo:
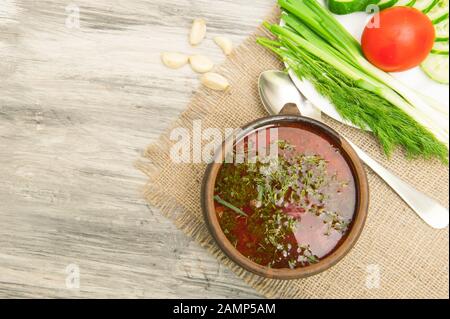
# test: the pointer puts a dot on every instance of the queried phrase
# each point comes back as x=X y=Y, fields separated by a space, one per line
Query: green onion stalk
x=312 y=28
x=392 y=126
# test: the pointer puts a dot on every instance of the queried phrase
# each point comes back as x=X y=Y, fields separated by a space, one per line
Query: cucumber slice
x=349 y=6
x=442 y=31
x=431 y=6
x=425 y=5
x=440 y=48
x=439 y=12
x=384 y=4
x=436 y=67
x=405 y=3
x=441 y=18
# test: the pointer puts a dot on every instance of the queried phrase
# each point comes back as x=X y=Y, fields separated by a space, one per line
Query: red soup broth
x=290 y=210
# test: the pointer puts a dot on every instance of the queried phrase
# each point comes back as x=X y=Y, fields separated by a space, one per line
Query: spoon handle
x=427 y=208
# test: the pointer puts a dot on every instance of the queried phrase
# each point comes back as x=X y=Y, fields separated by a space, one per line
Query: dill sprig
x=318 y=48
x=392 y=126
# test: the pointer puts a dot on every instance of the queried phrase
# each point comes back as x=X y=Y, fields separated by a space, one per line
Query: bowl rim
x=361 y=211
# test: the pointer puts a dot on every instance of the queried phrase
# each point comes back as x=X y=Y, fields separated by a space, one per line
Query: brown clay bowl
x=350 y=239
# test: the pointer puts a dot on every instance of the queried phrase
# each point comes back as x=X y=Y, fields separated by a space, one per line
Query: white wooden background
x=77 y=107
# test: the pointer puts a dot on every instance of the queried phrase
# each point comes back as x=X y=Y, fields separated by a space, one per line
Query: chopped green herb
x=226 y=204
x=276 y=193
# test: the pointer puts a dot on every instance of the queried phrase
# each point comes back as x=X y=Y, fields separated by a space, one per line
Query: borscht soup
x=290 y=199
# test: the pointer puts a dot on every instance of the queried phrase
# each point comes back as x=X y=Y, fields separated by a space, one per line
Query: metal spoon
x=280 y=96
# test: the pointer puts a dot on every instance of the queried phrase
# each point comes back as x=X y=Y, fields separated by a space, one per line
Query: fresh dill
x=392 y=126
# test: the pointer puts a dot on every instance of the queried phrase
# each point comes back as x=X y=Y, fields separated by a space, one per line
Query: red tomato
x=403 y=39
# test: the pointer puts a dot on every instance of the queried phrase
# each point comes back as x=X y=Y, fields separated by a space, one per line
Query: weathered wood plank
x=77 y=107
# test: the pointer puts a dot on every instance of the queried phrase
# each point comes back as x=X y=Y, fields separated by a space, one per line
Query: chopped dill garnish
x=230 y=206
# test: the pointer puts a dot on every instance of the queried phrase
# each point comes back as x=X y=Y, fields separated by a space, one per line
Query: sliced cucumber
x=431 y=6
x=405 y=3
x=441 y=18
x=384 y=4
x=349 y=6
x=442 y=31
x=440 y=48
x=425 y=5
x=436 y=67
x=439 y=12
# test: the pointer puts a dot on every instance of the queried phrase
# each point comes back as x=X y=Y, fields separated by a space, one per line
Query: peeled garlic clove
x=201 y=64
x=225 y=44
x=174 y=60
x=215 y=81
x=198 y=31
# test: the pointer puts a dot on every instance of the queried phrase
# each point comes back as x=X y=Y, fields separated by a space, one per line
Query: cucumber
x=384 y=4
x=349 y=6
x=436 y=67
x=440 y=48
x=425 y=5
x=431 y=6
x=442 y=31
x=399 y=3
x=439 y=12
x=405 y=3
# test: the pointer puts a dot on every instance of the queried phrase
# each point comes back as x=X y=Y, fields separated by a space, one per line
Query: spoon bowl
x=279 y=96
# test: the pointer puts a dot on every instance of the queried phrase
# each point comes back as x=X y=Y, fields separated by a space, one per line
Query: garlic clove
x=215 y=81
x=201 y=64
x=225 y=44
x=198 y=31
x=174 y=60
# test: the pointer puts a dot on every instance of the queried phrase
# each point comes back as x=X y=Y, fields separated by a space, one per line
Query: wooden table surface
x=77 y=108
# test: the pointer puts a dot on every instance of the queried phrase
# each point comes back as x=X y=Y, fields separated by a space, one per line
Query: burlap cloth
x=411 y=257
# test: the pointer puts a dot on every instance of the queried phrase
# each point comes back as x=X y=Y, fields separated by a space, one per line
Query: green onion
x=317 y=47
x=230 y=206
x=324 y=25
x=389 y=124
